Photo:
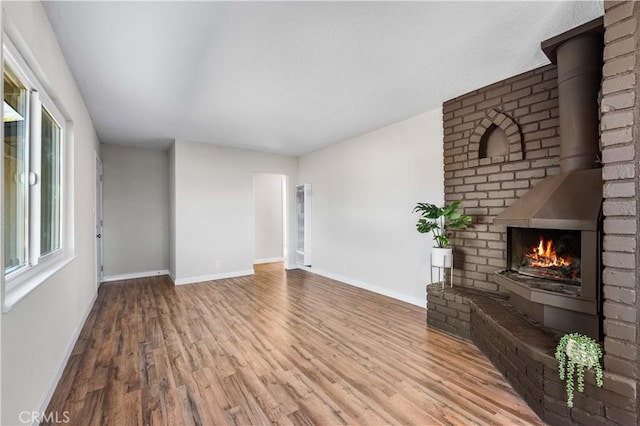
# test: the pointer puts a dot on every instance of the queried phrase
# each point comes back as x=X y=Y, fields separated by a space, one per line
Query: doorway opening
x=270 y=219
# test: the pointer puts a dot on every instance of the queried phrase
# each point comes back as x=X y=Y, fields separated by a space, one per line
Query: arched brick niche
x=495 y=140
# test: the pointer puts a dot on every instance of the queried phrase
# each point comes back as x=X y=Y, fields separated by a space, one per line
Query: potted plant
x=440 y=221
x=574 y=353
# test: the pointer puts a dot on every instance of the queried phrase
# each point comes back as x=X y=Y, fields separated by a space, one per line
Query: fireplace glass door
x=545 y=253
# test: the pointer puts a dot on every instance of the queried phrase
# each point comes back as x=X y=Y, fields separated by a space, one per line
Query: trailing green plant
x=574 y=353
x=441 y=220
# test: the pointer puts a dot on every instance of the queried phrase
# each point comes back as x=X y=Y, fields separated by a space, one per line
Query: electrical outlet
x=344 y=265
x=217 y=264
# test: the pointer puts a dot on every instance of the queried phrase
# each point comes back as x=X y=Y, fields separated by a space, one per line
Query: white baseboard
x=173 y=277
x=55 y=378
x=268 y=260
x=373 y=288
x=291 y=266
x=191 y=280
x=134 y=275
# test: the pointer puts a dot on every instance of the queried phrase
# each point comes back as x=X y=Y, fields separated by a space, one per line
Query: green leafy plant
x=441 y=220
x=574 y=353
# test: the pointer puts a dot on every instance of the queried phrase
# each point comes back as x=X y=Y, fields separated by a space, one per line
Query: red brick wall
x=488 y=185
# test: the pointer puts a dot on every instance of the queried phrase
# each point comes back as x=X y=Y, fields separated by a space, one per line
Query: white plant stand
x=442 y=265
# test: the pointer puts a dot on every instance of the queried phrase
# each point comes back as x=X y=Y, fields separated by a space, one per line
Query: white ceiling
x=290 y=77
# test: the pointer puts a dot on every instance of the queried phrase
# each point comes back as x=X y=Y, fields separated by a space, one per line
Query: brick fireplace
x=500 y=142
x=554 y=233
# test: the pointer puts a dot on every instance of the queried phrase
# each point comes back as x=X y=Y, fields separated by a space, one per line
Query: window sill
x=20 y=286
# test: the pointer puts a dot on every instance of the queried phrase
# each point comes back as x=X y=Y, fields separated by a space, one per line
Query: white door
x=98 y=221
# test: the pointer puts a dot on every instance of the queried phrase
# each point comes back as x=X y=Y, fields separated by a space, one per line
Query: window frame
x=40 y=97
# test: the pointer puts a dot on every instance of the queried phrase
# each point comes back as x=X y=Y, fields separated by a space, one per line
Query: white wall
x=136 y=211
x=214 y=228
x=40 y=330
x=269 y=243
x=364 y=190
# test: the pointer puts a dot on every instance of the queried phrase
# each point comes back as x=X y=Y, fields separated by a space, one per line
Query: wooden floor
x=277 y=348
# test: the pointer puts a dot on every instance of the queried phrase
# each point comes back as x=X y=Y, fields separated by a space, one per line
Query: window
x=50 y=160
x=15 y=167
x=33 y=181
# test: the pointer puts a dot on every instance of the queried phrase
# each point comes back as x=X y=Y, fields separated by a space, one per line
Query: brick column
x=620 y=126
x=620 y=149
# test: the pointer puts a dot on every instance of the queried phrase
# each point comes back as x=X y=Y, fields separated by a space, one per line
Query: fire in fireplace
x=548 y=254
x=553 y=276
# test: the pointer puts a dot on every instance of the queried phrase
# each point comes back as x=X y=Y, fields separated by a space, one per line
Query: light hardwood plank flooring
x=276 y=348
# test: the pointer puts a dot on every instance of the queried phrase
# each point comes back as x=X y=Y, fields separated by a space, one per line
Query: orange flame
x=544 y=255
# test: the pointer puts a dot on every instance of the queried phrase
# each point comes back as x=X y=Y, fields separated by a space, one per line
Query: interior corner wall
x=171 y=154
x=268 y=224
x=214 y=224
x=136 y=210
x=39 y=332
x=364 y=190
